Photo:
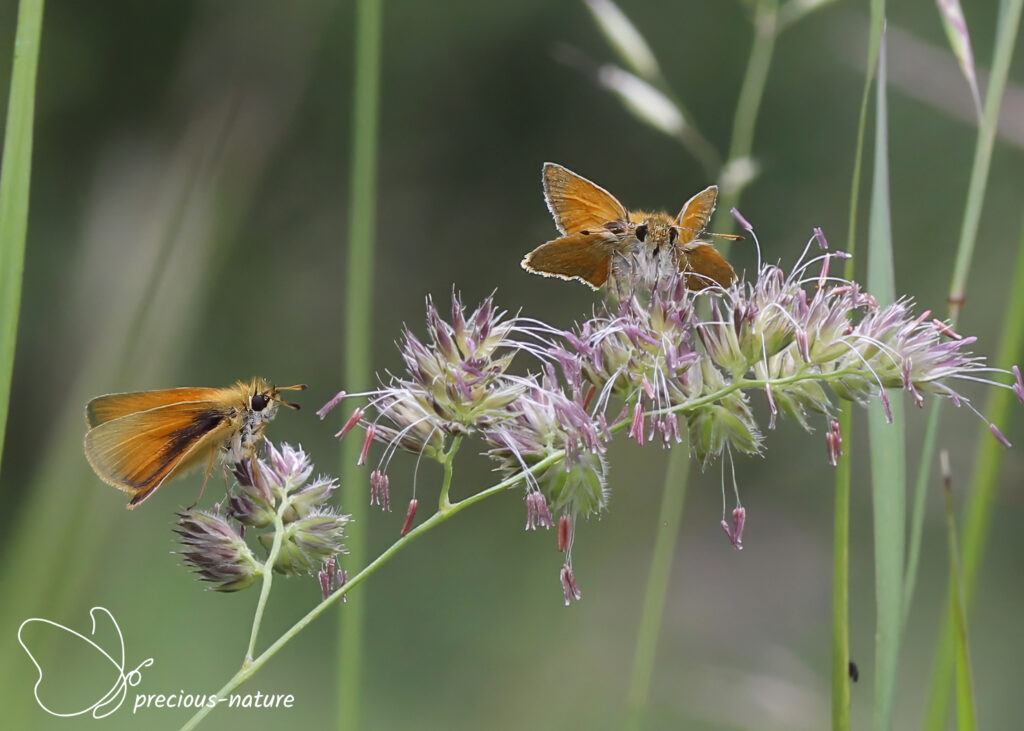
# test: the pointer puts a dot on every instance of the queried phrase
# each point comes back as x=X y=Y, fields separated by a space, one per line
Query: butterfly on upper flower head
x=596 y=230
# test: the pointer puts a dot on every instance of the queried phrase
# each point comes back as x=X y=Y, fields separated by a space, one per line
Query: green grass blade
x=15 y=180
x=966 y=718
x=358 y=341
x=981 y=495
x=887 y=440
x=841 y=583
x=669 y=517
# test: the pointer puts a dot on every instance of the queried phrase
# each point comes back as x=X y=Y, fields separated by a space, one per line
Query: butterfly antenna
x=730 y=237
x=289 y=404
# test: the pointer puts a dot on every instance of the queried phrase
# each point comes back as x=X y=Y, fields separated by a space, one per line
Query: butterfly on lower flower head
x=139 y=441
x=596 y=230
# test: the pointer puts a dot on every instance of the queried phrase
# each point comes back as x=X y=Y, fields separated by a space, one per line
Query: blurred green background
x=187 y=227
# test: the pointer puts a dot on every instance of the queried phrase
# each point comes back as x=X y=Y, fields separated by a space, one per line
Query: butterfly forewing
x=116 y=405
x=576 y=203
x=137 y=452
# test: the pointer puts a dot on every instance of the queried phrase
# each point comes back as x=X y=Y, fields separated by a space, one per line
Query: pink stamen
x=352 y=421
x=740 y=219
x=326 y=408
x=999 y=435
x=945 y=330
x=367 y=441
x=636 y=429
x=564 y=533
x=410 y=515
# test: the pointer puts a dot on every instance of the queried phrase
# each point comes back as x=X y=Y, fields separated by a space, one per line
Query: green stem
x=841 y=530
x=358 y=342
x=759 y=383
x=246 y=672
x=841 y=581
x=748 y=106
x=966 y=720
x=15 y=180
x=841 y=535
x=443 y=504
x=268 y=578
x=669 y=517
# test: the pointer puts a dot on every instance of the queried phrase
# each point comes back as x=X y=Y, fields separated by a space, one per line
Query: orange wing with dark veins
x=116 y=405
x=140 y=451
x=576 y=203
x=696 y=213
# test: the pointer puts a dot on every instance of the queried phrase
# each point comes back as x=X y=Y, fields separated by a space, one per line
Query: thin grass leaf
x=841 y=582
x=624 y=38
x=966 y=716
x=960 y=41
x=887 y=440
x=670 y=515
x=15 y=180
x=981 y=495
x=358 y=320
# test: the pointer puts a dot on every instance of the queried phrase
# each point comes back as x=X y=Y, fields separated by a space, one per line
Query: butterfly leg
x=209 y=469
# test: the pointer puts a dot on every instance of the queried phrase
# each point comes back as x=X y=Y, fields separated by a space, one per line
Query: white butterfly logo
x=114 y=697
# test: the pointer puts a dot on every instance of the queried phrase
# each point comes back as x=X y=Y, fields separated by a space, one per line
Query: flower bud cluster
x=544 y=422
x=275 y=494
x=454 y=384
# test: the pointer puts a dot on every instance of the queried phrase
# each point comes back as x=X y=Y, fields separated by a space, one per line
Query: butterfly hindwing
x=704 y=266
x=582 y=256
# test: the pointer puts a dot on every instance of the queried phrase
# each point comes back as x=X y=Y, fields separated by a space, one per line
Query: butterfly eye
x=259 y=402
x=672 y=235
x=641 y=231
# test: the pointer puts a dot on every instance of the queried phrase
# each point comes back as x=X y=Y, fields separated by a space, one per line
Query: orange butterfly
x=596 y=228
x=138 y=441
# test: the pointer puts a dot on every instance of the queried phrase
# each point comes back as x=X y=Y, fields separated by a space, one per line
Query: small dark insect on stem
x=854 y=672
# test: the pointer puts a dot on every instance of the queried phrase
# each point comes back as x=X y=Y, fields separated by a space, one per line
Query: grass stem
x=358 y=341
x=15 y=182
x=669 y=518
